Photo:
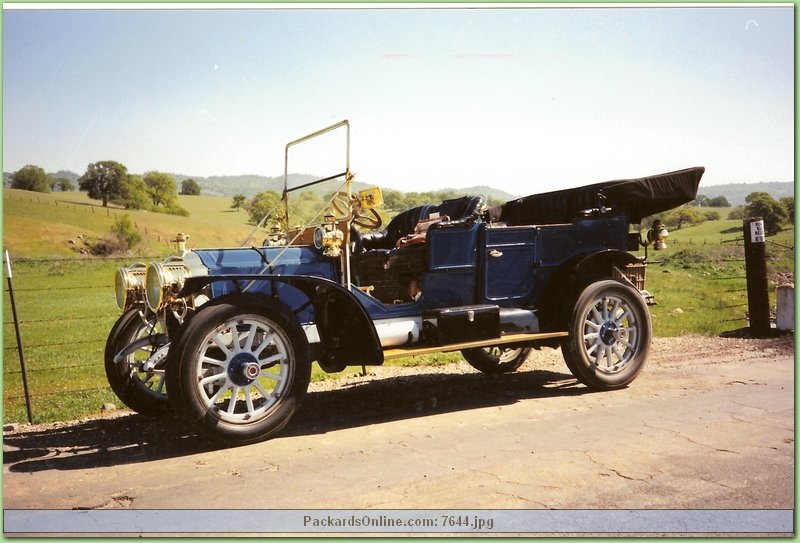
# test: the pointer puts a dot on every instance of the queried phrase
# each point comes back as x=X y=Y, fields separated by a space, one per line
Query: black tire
x=609 y=335
x=497 y=359
x=142 y=391
x=256 y=353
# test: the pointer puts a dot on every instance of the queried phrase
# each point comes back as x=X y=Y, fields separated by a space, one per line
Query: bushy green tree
x=719 y=201
x=738 y=212
x=682 y=216
x=190 y=187
x=303 y=208
x=262 y=203
x=103 y=180
x=61 y=184
x=238 y=201
x=32 y=178
x=788 y=204
x=161 y=188
x=761 y=204
x=393 y=199
x=132 y=193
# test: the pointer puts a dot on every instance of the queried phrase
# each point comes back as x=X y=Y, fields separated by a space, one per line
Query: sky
x=524 y=99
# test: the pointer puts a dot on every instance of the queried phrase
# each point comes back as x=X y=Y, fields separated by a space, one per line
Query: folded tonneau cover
x=637 y=198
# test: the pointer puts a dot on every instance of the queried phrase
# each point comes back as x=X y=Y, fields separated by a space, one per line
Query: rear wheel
x=240 y=370
x=497 y=359
x=609 y=335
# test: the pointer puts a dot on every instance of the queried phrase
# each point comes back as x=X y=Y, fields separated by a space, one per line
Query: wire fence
x=57 y=313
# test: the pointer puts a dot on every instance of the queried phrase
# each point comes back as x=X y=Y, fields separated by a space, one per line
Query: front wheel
x=240 y=370
x=135 y=358
x=498 y=359
x=609 y=335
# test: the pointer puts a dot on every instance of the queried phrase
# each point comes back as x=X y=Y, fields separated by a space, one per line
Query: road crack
x=610 y=469
x=692 y=440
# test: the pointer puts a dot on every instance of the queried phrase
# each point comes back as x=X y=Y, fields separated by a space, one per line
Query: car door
x=508 y=263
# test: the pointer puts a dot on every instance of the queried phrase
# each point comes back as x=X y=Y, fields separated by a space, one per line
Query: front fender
x=347 y=333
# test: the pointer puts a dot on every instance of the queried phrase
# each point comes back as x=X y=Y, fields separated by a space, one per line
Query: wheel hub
x=243 y=369
x=610 y=333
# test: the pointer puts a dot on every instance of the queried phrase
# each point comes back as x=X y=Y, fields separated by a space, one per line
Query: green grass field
x=66 y=306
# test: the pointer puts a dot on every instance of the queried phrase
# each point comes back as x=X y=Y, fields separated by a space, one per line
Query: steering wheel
x=366 y=218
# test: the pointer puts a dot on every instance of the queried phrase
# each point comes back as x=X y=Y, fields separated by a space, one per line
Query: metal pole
x=19 y=338
x=756 y=272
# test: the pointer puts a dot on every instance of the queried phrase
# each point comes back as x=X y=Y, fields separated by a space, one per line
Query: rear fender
x=571 y=278
x=347 y=334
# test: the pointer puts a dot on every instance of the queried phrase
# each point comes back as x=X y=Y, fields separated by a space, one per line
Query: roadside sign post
x=756 y=271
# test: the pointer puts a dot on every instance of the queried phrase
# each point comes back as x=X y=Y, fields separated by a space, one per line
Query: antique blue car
x=226 y=336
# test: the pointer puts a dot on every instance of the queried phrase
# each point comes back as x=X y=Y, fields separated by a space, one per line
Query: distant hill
x=735 y=193
x=249 y=185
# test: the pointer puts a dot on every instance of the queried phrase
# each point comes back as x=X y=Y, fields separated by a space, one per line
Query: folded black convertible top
x=637 y=198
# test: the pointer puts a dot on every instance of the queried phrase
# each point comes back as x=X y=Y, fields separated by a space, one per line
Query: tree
x=61 y=184
x=738 y=212
x=238 y=201
x=263 y=203
x=688 y=216
x=761 y=204
x=161 y=188
x=305 y=207
x=103 y=180
x=393 y=199
x=683 y=216
x=132 y=193
x=719 y=201
x=788 y=203
x=30 y=178
x=190 y=187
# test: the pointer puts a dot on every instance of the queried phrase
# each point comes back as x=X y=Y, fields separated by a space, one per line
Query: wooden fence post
x=756 y=270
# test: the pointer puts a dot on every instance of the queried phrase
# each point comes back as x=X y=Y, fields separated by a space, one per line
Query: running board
x=389 y=354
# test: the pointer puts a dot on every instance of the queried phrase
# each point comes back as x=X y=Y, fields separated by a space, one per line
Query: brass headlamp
x=129 y=285
x=163 y=281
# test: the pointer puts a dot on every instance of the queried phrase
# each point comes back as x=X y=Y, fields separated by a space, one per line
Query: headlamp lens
x=129 y=285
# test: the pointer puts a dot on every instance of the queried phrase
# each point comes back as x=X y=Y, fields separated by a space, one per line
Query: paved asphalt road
x=708 y=425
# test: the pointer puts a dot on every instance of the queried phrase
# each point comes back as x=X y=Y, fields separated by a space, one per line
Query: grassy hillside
x=37 y=225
